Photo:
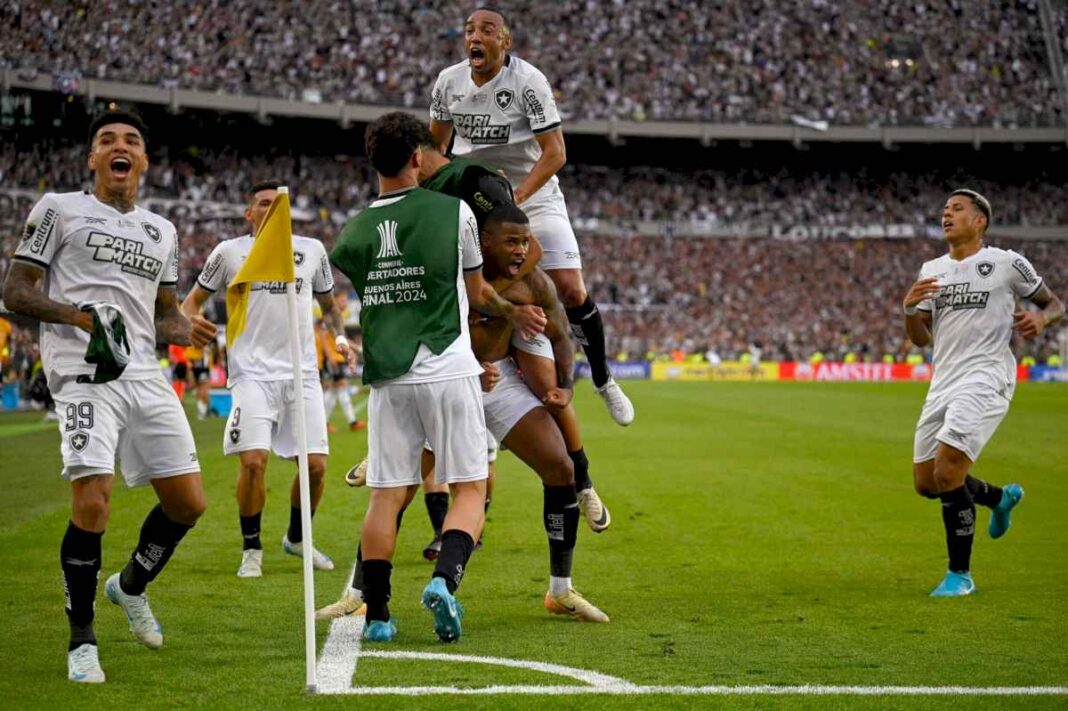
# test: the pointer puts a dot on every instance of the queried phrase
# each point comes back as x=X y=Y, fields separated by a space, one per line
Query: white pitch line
x=341 y=650
x=712 y=690
x=590 y=677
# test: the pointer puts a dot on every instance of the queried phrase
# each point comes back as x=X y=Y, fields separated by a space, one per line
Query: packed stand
x=867 y=62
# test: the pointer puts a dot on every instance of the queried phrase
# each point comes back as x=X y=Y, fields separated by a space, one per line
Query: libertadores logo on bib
x=387 y=236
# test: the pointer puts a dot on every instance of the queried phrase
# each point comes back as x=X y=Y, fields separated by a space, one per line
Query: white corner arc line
x=595 y=679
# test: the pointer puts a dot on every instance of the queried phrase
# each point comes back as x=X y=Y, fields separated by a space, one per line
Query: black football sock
x=983 y=493
x=295 y=533
x=159 y=538
x=357 y=570
x=437 y=507
x=79 y=554
x=582 y=470
x=456 y=547
x=376 y=588
x=958 y=516
x=250 y=531
x=588 y=329
x=561 y=516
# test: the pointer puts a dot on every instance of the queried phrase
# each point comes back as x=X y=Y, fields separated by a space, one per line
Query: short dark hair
x=506 y=212
x=980 y=202
x=266 y=184
x=127 y=117
x=392 y=138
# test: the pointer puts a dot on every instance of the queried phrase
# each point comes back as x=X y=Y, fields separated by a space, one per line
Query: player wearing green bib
x=414 y=260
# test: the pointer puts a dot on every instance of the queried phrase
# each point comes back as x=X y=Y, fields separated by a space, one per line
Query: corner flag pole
x=305 y=486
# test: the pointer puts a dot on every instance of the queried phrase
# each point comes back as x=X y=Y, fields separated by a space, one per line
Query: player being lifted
x=501 y=110
x=963 y=303
x=109 y=294
x=263 y=416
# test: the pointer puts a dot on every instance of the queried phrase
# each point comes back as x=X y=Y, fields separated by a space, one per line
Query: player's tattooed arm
x=558 y=329
x=552 y=159
x=172 y=326
x=1030 y=324
x=529 y=321
x=22 y=296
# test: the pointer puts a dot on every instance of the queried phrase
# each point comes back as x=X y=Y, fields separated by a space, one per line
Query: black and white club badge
x=79 y=441
x=503 y=98
x=985 y=269
x=152 y=231
x=298 y=258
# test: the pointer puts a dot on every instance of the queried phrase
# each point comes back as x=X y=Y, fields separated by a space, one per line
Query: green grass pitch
x=762 y=534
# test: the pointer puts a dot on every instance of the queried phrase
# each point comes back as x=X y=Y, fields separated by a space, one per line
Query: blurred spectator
x=868 y=62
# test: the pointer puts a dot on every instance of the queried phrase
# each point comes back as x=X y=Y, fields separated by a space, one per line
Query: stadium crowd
x=877 y=62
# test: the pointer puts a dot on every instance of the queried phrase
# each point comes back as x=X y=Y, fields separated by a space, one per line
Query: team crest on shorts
x=985 y=269
x=79 y=441
x=503 y=98
x=152 y=231
x=235 y=434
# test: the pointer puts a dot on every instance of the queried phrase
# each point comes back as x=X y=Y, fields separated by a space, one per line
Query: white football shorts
x=965 y=418
x=446 y=415
x=508 y=402
x=549 y=222
x=264 y=416
x=141 y=422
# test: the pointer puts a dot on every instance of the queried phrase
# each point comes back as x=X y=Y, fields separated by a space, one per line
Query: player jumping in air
x=500 y=110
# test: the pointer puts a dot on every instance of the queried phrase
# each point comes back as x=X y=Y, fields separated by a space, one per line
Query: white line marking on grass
x=342 y=649
x=595 y=679
x=712 y=690
x=337 y=663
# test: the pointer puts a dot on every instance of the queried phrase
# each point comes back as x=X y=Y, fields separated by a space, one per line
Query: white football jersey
x=496 y=123
x=972 y=316
x=262 y=351
x=92 y=252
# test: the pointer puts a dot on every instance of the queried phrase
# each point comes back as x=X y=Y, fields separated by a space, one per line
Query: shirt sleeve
x=170 y=269
x=213 y=275
x=439 y=108
x=470 y=252
x=1023 y=279
x=43 y=233
x=323 y=283
x=539 y=105
x=927 y=304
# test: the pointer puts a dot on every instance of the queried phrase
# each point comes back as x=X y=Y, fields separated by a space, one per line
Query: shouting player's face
x=258 y=207
x=118 y=158
x=961 y=220
x=505 y=247
x=486 y=41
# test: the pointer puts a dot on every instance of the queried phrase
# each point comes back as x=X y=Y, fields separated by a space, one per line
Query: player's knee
x=91 y=511
x=254 y=468
x=560 y=472
x=188 y=510
x=316 y=470
x=926 y=489
x=572 y=293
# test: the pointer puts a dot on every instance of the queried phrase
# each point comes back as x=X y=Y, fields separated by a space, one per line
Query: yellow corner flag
x=271 y=259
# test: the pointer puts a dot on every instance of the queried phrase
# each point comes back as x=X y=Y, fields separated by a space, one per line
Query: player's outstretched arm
x=917 y=322
x=553 y=157
x=558 y=331
x=173 y=327
x=1030 y=324
x=22 y=296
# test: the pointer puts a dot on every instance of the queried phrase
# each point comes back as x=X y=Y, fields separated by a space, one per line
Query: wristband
x=340 y=340
x=910 y=310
